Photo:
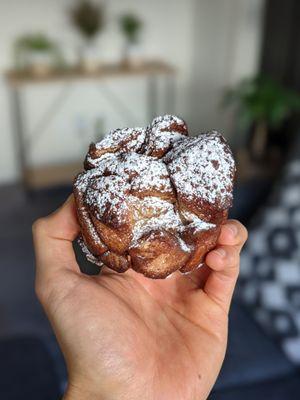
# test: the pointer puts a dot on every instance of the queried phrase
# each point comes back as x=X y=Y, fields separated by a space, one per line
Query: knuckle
x=40 y=292
x=39 y=226
x=243 y=233
x=44 y=290
x=236 y=270
x=234 y=258
x=242 y=230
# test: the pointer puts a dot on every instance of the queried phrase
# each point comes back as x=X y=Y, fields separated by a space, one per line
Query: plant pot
x=132 y=55
x=40 y=63
x=88 y=57
x=259 y=140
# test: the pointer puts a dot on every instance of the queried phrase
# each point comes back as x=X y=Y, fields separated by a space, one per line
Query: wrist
x=74 y=392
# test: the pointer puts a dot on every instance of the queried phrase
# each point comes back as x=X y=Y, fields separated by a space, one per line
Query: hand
x=125 y=336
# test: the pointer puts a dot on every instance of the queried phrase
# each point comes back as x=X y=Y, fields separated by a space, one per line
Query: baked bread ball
x=153 y=199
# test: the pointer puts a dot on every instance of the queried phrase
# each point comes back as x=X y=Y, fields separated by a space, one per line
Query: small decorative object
x=37 y=53
x=87 y=17
x=263 y=105
x=131 y=26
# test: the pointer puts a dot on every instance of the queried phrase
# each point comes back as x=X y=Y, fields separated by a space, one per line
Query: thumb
x=53 y=236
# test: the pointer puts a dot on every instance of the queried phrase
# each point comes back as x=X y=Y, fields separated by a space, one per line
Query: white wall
x=212 y=42
x=233 y=29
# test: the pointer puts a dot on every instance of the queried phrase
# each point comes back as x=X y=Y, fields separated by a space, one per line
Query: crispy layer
x=153 y=199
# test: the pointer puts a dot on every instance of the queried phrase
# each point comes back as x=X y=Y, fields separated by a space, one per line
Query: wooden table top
x=19 y=78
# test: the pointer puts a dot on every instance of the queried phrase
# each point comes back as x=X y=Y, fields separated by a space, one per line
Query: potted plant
x=131 y=26
x=87 y=17
x=262 y=107
x=37 y=53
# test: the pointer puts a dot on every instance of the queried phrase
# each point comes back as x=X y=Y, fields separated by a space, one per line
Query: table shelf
x=41 y=176
x=23 y=77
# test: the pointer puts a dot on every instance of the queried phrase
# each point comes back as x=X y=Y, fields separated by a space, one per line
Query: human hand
x=125 y=336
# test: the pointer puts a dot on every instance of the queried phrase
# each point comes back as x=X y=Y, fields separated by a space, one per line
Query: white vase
x=40 y=62
x=132 y=54
x=89 y=61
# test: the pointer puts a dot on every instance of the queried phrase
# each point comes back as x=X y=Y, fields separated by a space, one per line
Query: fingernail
x=221 y=252
x=233 y=230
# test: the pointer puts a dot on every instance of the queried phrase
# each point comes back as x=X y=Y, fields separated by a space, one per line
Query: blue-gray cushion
x=285 y=388
x=27 y=370
x=251 y=356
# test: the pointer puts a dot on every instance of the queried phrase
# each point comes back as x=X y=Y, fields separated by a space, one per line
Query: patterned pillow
x=270 y=265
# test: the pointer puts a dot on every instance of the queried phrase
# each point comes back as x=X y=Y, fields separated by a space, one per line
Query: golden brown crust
x=163 y=134
x=153 y=199
x=118 y=239
x=201 y=242
x=88 y=231
x=158 y=254
x=115 y=261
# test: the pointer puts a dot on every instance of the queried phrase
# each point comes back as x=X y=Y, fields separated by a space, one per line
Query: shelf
x=42 y=176
x=18 y=78
x=51 y=175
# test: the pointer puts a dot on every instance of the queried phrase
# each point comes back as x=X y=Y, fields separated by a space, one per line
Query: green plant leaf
x=130 y=26
x=88 y=18
x=262 y=99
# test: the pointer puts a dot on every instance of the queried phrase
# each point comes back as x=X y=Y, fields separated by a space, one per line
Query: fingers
x=233 y=233
x=224 y=263
x=61 y=224
x=223 y=259
x=53 y=236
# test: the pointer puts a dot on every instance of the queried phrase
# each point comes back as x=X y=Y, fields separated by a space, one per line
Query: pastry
x=153 y=199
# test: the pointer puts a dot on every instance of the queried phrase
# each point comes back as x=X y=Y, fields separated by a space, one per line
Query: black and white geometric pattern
x=270 y=265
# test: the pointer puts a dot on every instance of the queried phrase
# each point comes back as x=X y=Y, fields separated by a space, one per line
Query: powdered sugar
x=145 y=173
x=106 y=194
x=130 y=184
x=164 y=140
x=90 y=257
x=183 y=245
x=196 y=223
x=106 y=161
x=129 y=139
x=164 y=121
x=82 y=181
x=164 y=132
x=203 y=168
x=164 y=217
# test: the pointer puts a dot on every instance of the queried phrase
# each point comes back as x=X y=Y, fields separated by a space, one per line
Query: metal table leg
x=170 y=84
x=152 y=96
x=17 y=123
x=118 y=105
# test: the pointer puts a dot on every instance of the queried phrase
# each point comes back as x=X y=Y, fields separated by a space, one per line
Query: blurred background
x=73 y=70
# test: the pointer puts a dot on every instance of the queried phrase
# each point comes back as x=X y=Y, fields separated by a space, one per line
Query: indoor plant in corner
x=87 y=17
x=130 y=26
x=263 y=105
x=37 y=54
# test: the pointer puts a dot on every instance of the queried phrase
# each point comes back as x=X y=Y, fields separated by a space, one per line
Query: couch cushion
x=269 y=281
x=27 y=370
x=251 y=355
x=285 y=388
